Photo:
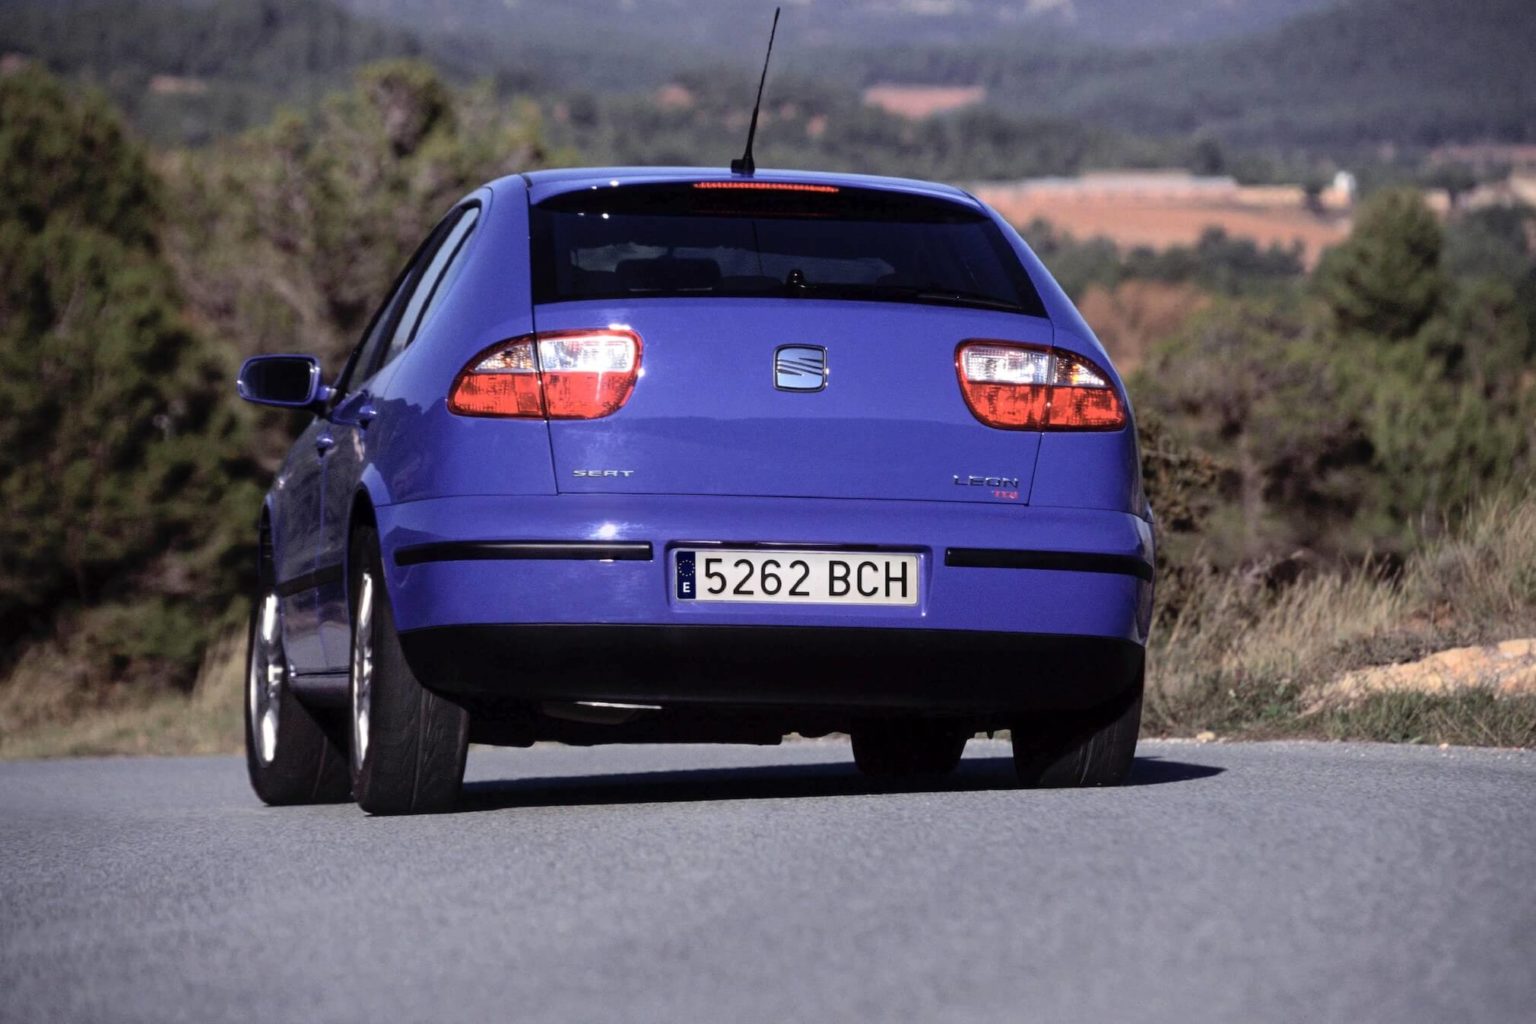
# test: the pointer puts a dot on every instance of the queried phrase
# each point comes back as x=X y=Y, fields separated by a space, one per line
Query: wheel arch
x=266 y=556
x=370 y=494
x=360 y=515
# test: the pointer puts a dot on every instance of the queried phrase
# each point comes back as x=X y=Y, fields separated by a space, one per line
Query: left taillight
x=1022 y=387
x=559 y=375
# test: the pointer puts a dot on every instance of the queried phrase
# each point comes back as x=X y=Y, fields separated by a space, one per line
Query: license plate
x=796 y=577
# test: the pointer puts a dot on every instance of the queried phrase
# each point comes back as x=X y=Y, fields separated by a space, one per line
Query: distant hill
x=1310 y=79
x=1141 y=23
x=1315 y=74
x=726 y=26
x=1366 y=72
x=186 y=71
x=1406 y=71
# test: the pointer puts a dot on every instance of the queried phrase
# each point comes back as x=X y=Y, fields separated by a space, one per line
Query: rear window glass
x=643 y=241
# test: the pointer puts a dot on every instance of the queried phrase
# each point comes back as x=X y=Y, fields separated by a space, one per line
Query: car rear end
x=786 y=453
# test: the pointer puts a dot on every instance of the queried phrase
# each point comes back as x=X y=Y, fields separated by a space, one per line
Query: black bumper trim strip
x=1067 y=561
x=310 y=580
x=523 y=550
x=895 y=669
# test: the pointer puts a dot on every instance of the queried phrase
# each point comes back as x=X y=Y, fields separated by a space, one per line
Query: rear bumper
x=760 y=667
x=572 y=597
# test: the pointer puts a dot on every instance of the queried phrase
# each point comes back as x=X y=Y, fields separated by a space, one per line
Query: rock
x=1205 y=737
x=1507 y=669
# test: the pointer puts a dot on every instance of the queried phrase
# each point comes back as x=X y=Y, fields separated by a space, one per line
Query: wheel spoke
x=268 y=670
x=269 y=620
x=269 y=734
x=362 y=667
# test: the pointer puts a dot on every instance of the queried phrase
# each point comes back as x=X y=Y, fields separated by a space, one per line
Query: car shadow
x=773 y=782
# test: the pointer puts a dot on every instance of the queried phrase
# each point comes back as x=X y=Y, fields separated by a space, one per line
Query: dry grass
x=1488 y=571
x=208 y=721
x=1239 y=656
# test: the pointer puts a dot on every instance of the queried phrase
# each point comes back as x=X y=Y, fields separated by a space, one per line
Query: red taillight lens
x=1020 y=387
x=503 y=381
x=1005 y=385
x=562 y=375
x=588 y=374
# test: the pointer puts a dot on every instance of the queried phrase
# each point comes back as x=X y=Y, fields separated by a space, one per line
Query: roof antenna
x=746 y=165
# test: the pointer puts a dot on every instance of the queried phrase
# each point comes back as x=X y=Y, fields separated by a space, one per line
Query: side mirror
x=289 y=382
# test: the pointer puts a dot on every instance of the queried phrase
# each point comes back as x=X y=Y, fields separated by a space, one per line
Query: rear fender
x=489 y=303
x=1090 y=469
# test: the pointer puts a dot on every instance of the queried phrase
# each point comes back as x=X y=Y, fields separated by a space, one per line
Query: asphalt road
x=1274 y=882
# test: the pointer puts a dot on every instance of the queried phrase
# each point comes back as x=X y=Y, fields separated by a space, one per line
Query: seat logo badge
x=800 y=368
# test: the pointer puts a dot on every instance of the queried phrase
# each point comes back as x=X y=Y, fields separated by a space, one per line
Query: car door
x=425 y=279
x=295 y=528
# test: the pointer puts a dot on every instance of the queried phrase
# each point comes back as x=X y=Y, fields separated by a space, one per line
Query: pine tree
x=1386 y=279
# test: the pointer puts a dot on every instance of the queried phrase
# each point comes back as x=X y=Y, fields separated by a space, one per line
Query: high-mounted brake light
x=766 y=186
x=1021 y=387
x=559 y=375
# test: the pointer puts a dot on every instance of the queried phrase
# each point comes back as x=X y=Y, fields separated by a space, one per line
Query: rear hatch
x=706 y=416
x=793 y=343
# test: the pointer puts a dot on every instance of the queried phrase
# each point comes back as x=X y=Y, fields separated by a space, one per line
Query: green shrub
x=119 y=456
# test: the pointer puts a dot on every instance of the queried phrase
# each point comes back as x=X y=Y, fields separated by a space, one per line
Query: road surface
x=1264 y=882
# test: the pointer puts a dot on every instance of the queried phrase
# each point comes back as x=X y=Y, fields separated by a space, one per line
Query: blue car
x=656 y=455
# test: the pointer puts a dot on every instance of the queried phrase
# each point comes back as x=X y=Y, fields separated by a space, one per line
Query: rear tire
x=894 y=750
x=408 y=744
x=289 y=755
x=1094 y=748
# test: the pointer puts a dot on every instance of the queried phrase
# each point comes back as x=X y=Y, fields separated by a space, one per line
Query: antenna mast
x=746 y=165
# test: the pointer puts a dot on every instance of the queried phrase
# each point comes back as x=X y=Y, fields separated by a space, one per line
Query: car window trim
x=405 y=280
x=447 y=268
x=420 y=261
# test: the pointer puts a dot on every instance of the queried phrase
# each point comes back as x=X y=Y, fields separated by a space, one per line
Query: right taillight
x=560 y=375
x=1022 y=387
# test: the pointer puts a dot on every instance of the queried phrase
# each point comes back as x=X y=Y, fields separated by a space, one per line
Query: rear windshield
x=716 y=239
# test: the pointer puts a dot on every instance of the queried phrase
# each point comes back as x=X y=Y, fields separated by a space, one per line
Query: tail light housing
x=558 y=375
x=1023 y=387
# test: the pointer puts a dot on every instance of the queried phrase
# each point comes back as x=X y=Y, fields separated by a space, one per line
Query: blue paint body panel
x=708 y=451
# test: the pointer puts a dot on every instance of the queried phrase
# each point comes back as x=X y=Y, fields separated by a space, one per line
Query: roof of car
x=543 y=184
